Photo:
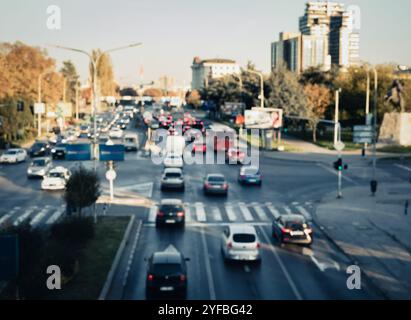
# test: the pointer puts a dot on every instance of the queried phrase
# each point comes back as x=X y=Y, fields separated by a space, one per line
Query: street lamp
x=39 y=97
x=94 y=62
x=374 y=182
x=261 y=85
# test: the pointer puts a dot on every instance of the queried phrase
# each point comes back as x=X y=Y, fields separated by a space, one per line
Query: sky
x=173 y=32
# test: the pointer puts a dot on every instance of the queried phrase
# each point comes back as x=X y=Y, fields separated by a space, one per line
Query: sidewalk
x=374 y=232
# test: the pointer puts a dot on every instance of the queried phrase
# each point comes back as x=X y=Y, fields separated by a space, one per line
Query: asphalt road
x=286 y=272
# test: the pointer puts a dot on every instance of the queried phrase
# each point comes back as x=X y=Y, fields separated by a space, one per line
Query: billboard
x=112 y=152
x=263 y=118
x=78 y=152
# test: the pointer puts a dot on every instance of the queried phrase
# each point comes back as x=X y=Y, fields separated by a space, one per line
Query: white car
x=116 y=133
x=241 y=243
x=39 y=167
x=13 y=156
x=173 y=161
x=56 y=179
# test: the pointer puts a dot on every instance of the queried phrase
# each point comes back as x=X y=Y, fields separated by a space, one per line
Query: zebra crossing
x=240 y=212
x=36 y=216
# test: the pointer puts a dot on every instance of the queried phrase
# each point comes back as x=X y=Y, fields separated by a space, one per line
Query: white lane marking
x=56 y=215
x=304 y=212
x=214 y=224
x=40 y=216
x=260 y=212
x=336 y=173
x=322 y=266
x=402 y=167
x=131 y=257
x=230 y=213
x=188 y=213
x=216 y=214
x=24 y=216
x=246 y=213
x=282 y=266
x=200 y=212
x=273 y=210
x=209 y=273
x=9 y=215
x=287 y=210
x=152 y=214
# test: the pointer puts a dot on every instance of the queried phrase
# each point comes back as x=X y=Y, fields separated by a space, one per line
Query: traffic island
x=373 y=232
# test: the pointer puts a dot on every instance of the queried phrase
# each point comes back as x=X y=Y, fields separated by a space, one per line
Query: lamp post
x=39 y=97
x=374 y=182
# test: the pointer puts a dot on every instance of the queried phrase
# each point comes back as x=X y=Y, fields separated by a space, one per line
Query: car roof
x=173 y=170
x=171 y=202
x=58 y=169
x=241 y=228
x=167 y=257
x=293 y=217
x=14 y=149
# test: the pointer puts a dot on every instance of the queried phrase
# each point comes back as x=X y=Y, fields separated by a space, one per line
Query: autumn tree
x=194 y=99
x=153 y=92
x=318 y=100
x=71 y=77
x=105 y=74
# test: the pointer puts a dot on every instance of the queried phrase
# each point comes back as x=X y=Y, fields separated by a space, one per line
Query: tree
x=285 y=92
x=105 y=74
x=153 y=92
x=71 y=77
x=194 y=99
x=318 y=100
x=82 y=189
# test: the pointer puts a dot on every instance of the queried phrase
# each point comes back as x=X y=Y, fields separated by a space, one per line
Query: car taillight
x=150 y=277
x=225 y=185
x=258 y=245
x=309 y=230
x=160 y=214
x=182 y=278
x=242 y=176
x=180 y=214
x=229 y=245
x=284 y=230
x=206 y=184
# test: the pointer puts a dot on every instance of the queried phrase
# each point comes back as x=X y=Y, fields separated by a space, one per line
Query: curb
x=116 y=261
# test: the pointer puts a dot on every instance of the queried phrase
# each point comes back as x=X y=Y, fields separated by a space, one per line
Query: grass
x=257 y=142
x=395 y=149
x=96 y=260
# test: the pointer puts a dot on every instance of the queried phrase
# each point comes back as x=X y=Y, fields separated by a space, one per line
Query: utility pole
x=336 y=116
x=367 y=109
x=374 y=183
x=338 y=145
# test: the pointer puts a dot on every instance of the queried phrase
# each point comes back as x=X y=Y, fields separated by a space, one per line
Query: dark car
x=250 y=175
x=59 y=151
x=170 y=212
x=39 y=149
x=215 y=184
x=292 y=228
x=167 y=274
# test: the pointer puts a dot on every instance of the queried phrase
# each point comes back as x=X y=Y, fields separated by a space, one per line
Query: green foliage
x=82 y=189
x=75 y=231
x=70 y=74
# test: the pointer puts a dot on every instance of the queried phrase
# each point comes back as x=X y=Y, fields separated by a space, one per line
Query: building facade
x=329 y=35
x=205 y=70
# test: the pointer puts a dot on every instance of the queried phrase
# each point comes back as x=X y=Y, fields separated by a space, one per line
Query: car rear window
x=171 y=208
x=244 y=238
x=11 y=152
x=294 y=225
x=251 y=171
x=38 y=163
x=173 y=175
x=162 y=269
x=216 y=179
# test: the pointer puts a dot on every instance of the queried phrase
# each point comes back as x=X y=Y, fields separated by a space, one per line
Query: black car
x=292 y=228
x=59 y=151
x=39 y=149
x=170 y=212
x=167 y=274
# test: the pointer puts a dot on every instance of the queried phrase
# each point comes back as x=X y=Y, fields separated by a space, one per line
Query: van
x=130 y=141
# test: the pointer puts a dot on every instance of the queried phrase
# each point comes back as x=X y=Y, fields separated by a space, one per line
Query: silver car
x=241 y=243
x=39 y=168
x=172 y=178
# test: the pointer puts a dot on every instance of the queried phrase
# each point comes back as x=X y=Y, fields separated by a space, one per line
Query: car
x=59 y=151
x=234 y=155
x=250 y=175
x=292 y=228
x=215 y=184
x=240 y=243
x=154 y=125
x=39 y=149
x=55 y=179
x=172 y=178
x=116 y=133
x=39 y=167
x=13 y=156
x=130 y=141
x=173 y=161
x=167 y=274
x=170 y=212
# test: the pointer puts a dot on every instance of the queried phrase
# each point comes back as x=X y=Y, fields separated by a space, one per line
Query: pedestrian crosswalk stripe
x=230 y=213
x=246 y=213
x=216 y=214
x=9 y=215
x=260 y=212
x=188 y=213
x=40 y=216
x=273 y=210
x=56 y=215
x=304 y=212
x=201 y=215
x=287 y=210
x=152 y=214
x=24 y=216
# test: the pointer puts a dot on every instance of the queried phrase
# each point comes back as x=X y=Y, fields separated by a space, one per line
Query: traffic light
x=20 y=106
x=338 y=165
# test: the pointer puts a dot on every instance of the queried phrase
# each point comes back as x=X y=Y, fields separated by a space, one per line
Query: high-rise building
x=329 y=35
x=205 y=70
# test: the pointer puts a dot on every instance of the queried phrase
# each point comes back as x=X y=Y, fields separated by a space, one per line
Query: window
x=244 y=238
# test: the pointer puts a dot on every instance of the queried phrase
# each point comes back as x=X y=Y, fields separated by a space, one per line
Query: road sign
x=78 y=152
x=111 y=175
x=112 y=152
x=339 y=146
x=360 y=140
x=363 y=128
x=39 y=108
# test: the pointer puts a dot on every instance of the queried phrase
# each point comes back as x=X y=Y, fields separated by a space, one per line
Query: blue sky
x=174 y=31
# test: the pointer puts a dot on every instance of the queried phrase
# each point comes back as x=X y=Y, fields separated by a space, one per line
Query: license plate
x=166 y=288
x=253 y=180
x=297 y=233
x=170 y=221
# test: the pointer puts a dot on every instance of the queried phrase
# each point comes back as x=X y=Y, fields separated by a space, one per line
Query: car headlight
x=42 y=149
x=53 y=151
x=29 y=171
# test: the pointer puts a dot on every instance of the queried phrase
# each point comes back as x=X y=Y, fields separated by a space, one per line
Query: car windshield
x=38 y=163
x=244 y=237
x=130 y=140
x=173 y=175
x=216 y=179
x=56 y=175
x=11 y=152
x=162 y=269
x=294 y=225
x=251 y=171
x=171 y=208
